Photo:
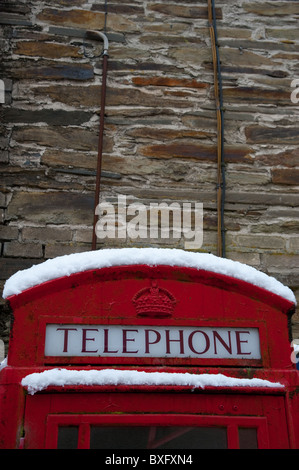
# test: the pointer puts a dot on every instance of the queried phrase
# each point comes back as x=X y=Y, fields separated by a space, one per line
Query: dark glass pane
x=67 y=437
x=248 y=438
x=124 y=437
x=167 y=437
x=189 y=438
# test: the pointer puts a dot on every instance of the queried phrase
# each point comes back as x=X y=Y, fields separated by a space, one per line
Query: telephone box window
x=162 y=437
x=248 y=438
x=124 y=437
x=67 y=437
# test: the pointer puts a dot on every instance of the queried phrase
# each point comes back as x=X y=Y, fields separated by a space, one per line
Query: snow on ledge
x=61 y=377
x=78 y=262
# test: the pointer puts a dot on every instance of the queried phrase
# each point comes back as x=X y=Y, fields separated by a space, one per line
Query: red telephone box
x=148 y=349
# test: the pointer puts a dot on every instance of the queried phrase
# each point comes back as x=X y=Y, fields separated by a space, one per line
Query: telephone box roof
x=79 y=262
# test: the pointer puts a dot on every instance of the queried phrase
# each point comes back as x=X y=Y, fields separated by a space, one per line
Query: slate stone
x=272 y=135
x=49 y=116
x=52 y=207
x=285 y=176
x=50 y=71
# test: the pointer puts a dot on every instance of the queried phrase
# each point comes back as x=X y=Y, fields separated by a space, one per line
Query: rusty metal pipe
x=97 y=35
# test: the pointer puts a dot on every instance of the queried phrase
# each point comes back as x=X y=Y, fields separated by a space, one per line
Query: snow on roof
x=61 y=377
x=78 y=262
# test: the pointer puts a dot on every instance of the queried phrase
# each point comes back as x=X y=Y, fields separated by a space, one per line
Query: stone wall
x=160 y=128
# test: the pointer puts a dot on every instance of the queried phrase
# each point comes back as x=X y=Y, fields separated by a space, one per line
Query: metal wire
x=104 y=54
x=220 y=129
x=106 y=13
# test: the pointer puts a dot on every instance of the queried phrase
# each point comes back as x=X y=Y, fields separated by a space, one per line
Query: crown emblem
x=154 y=301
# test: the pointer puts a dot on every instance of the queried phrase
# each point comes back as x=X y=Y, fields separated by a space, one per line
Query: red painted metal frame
x=157 y=407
